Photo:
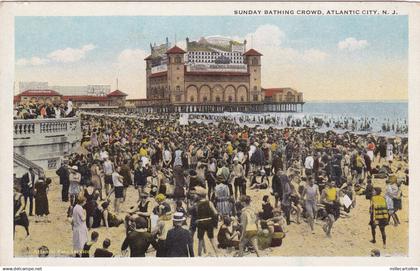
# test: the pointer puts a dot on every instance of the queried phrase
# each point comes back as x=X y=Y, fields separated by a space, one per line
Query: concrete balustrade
x=45 y=141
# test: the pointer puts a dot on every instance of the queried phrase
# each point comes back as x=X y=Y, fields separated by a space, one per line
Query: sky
x=325 y=57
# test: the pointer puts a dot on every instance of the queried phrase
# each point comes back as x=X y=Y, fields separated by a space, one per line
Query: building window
x=255 y=98
x=242 y=99
x=178 y=98
x=192 y=98
x=255 y=88
x=204 y=99
x=230 y=99
x=177 y=59
x=217 y=99
x=178 y=88
x=254 y=61
x=177 y=67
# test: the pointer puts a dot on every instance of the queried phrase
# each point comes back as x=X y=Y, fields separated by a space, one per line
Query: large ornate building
x=213 y=70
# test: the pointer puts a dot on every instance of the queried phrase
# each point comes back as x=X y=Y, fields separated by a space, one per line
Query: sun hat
x=179 y=217
x=160 y=197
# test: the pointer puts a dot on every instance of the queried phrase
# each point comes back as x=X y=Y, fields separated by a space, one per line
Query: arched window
x=178 y=88
x=192 y=98
x=204 y=99
x=242 y=99
x=255 y=97
x=230 y=99
x=217 y=99
x=254 y=61
x=177 y=59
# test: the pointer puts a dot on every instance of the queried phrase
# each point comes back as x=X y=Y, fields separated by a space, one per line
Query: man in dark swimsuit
x=139 y=240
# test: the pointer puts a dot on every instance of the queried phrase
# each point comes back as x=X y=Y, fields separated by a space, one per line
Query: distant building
x=115 y=98
x=23 y=85
x=38 y=95
x=94 y=90
x=282 y=95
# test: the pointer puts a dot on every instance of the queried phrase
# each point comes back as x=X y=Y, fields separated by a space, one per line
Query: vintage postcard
x=248 y=133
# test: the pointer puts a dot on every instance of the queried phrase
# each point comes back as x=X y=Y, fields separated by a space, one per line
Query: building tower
x=176 y=85
x=253 y=61
x=148 y=73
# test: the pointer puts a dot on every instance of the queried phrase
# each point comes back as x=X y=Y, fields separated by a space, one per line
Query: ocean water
x=380 y=110
x=376 y=115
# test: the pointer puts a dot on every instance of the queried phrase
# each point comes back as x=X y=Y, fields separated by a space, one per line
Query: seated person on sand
x=258 y=184
x=161 y=203
x=271 y=233
x=267 y=209
x=227 y=238
x=276 y=230
x=144 y=209
x=278 y=216
x=264 y=236
x=381 y=172
x=109 y=218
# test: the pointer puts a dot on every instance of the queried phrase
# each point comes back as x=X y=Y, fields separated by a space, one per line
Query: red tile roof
x=85 y=98
x=41 y=92
x=269 y=92
x=116 y=93
x=252 y=52
x=175 y=50
x=158 y=74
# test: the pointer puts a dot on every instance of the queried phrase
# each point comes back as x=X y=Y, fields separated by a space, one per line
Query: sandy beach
x=350 y=235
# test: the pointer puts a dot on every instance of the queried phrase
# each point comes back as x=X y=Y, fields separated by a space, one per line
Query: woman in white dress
x=80 y=231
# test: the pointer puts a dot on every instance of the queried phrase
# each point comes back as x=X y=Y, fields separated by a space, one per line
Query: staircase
x=21 y=165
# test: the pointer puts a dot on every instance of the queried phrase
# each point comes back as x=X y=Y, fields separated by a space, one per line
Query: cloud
x=33 y=61
x=314 y=55
x=269 y=39
x=70 y=54
x=66 y=55
x=131 y=72
x=282 y=66
x=352 y=44
x=265 y=36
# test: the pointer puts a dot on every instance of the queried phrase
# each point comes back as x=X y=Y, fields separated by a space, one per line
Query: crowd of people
x=44 y=110
x=196 y=178
x=316 y=121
